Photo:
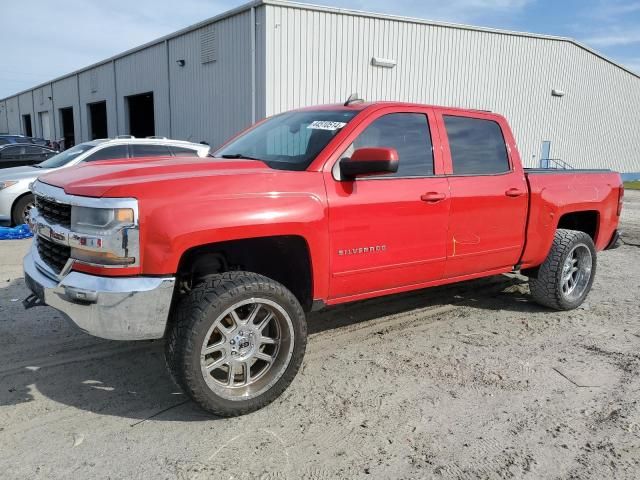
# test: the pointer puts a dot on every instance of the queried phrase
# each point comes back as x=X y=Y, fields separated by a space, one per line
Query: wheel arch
x=284 y=258
x=587 y=221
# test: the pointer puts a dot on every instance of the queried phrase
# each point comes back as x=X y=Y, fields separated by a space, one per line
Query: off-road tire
x=195 y=314
x=546 y=288
x=17 y=215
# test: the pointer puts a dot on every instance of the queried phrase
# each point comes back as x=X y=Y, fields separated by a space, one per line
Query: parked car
x=16 y=200
x=40 y=141
x=20 y=154
x=5 y=139
x=307 y=209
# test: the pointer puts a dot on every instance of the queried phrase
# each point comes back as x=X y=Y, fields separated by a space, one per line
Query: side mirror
x=369 y=161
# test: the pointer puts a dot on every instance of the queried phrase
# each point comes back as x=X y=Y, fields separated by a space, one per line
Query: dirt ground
x=468 y=381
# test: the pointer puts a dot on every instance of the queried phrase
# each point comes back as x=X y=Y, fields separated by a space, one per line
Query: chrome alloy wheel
x=247 y=349
x=576 y=272
x=26 y=211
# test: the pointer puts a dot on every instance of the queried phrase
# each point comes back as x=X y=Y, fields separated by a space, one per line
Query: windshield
x=65 y=157
x=290 y=141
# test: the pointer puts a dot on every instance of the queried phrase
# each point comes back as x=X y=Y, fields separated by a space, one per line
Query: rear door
x=388 y=232
x=488 y=193
x=34 y=154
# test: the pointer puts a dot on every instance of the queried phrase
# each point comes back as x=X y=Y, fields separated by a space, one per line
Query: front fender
x=171 y=229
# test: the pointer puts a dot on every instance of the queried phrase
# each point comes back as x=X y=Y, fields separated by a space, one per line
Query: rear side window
x=35 y=150
x=409 y=134
x=477 y=146
x=150 y=151
x=183 y=152
x=108 y=153
x=13 y=151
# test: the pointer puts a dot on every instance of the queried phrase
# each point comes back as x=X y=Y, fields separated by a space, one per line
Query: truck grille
x=53 y=254
x=53 y=212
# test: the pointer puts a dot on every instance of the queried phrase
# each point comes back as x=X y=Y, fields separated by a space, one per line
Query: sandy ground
x=469 y=381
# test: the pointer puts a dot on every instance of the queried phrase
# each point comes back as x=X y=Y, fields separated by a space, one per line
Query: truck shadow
x=42 y=355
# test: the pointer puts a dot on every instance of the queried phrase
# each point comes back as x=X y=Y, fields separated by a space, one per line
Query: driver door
x=388 y=232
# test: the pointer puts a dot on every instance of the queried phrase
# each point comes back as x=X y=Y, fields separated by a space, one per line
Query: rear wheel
x=21 y=209
x=236 y=342
x=566 y=276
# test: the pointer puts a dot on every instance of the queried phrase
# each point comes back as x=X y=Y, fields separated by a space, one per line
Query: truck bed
x=554 y=193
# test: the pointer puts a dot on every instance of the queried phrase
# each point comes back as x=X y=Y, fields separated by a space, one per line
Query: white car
x=16 y=199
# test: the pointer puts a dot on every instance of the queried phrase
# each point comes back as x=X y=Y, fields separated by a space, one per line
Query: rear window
x=183 y=152
x=477 y=146
x=138 y=150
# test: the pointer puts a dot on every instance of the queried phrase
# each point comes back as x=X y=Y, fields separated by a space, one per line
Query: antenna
x=353 y=98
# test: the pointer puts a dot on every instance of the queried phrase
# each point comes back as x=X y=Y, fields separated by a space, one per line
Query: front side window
x=409 y=134
x=477 y=146
x=290 y=141
x=108 y=153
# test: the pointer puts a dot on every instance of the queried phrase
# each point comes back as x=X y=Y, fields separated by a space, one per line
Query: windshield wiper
x=240 y=155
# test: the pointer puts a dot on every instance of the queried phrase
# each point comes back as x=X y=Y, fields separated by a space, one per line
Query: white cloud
x=614 y=39
x=58 y=37
x=456 y=11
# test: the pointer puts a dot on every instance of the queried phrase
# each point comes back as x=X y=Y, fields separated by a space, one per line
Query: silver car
x=16 y=199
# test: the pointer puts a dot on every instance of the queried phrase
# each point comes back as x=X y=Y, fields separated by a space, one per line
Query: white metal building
x=210 y=80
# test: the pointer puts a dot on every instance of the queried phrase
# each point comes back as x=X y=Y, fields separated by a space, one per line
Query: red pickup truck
x=310 y=208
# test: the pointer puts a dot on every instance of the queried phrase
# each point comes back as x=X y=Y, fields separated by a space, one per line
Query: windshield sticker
x=326 y=125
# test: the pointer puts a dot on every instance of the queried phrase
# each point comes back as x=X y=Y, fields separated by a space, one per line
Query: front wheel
x=22 y=208
x=566 y=276
x=236 y=342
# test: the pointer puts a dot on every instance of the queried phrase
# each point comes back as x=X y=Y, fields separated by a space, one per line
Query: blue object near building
x=15 y=233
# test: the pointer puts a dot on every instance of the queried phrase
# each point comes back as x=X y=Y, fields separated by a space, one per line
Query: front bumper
x=116 y=308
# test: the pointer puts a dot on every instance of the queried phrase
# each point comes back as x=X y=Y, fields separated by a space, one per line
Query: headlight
x=100 y=220
x=104 y=236
x=7 y=183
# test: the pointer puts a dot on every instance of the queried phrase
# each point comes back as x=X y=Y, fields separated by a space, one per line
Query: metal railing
x=554 y=163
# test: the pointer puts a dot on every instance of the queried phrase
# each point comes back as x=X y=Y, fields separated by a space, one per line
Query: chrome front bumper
x=116 y=308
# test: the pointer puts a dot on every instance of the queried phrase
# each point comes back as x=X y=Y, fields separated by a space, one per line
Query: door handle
x=514 y=192
x=432 y=197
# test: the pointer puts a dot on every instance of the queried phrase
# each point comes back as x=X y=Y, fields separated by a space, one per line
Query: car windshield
x=290 y=141
x=66 y=156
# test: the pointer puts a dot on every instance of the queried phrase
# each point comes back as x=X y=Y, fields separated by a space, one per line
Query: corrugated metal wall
x=141 y=72
x=198 y=101
x=97 y=85
x=316 y=56
x=65 y=95
x=13 y=113
x=42 y=102
x=4 y=118
x=211 y=101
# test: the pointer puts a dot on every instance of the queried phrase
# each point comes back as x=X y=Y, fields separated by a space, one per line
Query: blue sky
x=49 y=38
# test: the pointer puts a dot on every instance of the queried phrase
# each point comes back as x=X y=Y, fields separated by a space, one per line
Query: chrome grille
x=53 y=254
x=53 y=212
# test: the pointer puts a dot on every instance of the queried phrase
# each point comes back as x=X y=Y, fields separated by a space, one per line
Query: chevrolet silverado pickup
x=222 y=257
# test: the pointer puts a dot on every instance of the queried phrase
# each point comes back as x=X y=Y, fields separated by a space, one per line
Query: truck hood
x=127 y=178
